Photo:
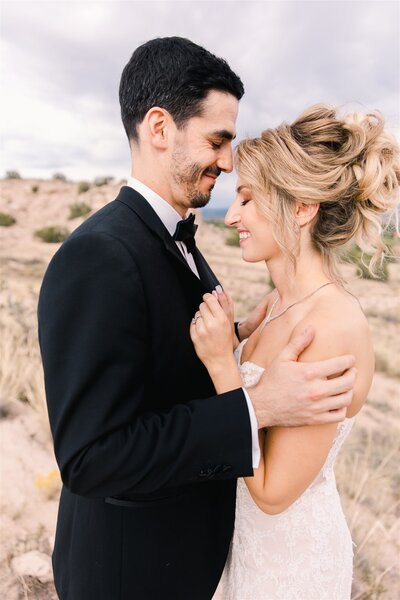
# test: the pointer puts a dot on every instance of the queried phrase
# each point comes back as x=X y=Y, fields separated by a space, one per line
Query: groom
x=148 y=454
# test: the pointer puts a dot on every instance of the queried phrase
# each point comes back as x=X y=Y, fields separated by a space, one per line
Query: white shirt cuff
x=255 y=446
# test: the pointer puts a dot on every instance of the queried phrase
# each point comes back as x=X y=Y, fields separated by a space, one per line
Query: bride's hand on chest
x=211 y=332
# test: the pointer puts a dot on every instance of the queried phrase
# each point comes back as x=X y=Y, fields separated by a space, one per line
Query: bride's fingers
x=205 y=312
x=197 y=327
x=194 y=319
x=192 y=330
x=224 y=301
x=213 y=304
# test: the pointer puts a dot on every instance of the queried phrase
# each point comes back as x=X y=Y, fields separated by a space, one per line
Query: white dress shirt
x=170 y=218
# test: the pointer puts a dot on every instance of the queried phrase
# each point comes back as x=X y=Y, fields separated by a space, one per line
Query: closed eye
x=216 y=145
x=244 y=202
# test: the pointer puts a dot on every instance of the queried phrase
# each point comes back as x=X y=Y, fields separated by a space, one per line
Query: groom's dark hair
x=173 y=73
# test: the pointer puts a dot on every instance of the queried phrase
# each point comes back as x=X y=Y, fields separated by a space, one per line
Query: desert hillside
x=367 y=469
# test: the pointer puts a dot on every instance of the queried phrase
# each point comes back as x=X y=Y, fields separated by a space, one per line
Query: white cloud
x=61 y=63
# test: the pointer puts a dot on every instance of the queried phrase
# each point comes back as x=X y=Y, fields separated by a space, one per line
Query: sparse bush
x=216 y=223
x=99 y=181
x=35 y=189
x=48 y=483
x=233 y=238
x=79 y=209
x=6 y=220
x=59 y=177
x=83 y=187
x=52 y=234
x=367 y=477
x=13 y=175
x=361 y=260
x=21 y=373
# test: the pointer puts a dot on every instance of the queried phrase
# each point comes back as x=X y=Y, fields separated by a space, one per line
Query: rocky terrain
x=367 y=469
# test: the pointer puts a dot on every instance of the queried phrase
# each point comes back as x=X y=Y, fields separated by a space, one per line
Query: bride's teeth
x=243 y=235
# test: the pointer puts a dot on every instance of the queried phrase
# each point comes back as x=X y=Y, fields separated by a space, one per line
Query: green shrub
x=35 y=189
x=99 y=181
x=361 y=260
x=6 y=220
x=79 y=209
x=13 y=175
x=59 y=177
x=216 y=223
x=52 y=234
x=233 y=238
x=83 y=187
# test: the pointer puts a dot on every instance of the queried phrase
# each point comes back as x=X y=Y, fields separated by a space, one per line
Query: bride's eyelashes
x=244 y=202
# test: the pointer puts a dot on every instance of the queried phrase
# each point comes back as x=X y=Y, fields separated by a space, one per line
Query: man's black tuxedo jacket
x=148 y=454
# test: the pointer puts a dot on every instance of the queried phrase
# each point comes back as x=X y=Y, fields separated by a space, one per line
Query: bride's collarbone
x=270 y=338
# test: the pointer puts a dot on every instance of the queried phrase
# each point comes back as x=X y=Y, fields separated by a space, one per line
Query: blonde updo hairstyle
x=349 y=165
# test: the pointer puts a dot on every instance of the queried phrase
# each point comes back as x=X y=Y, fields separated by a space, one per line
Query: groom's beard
x=188 y=177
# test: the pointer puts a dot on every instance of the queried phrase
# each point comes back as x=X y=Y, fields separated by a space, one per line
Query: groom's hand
x=292 y=393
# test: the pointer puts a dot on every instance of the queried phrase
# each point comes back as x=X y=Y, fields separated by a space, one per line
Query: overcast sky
x=61 y=62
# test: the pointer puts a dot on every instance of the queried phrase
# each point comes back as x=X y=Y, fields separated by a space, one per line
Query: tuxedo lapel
x=145 y=212
x=206 y=275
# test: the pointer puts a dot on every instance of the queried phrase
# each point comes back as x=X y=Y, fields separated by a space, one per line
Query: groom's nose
x=225 y=159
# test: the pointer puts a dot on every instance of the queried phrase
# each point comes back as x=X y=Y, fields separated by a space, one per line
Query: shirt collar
x=168 y=215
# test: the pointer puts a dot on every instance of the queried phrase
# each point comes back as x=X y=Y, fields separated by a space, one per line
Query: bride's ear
x=305 y=213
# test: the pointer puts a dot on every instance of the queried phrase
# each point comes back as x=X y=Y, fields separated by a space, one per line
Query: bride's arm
x=292 y=457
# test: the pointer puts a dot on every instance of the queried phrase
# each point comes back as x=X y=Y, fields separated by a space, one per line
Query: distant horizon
x=215 y=211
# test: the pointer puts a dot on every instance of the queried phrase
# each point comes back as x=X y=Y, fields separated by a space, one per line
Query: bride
x=304 y=190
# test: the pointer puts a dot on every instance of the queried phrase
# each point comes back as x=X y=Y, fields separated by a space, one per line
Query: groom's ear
x=157 y=122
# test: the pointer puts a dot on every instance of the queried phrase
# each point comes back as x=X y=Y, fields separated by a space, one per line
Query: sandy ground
x=29 y=481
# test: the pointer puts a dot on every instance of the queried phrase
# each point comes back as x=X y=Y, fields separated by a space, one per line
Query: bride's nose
x=232 y=217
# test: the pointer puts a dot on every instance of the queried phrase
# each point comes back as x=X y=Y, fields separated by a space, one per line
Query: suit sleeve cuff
x=236 y=327
x=255 y=446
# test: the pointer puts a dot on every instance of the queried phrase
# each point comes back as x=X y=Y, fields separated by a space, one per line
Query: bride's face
x=255 y=230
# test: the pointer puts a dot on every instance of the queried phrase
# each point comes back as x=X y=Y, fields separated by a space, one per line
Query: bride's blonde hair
x=349 y=165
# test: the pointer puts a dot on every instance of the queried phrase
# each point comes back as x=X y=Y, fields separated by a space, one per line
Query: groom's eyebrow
x=224 y=134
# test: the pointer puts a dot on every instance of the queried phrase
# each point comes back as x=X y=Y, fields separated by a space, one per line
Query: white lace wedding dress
x=303 y=553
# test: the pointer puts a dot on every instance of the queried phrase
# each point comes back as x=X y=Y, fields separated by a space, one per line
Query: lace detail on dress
x=303 y=553
x=250 y=373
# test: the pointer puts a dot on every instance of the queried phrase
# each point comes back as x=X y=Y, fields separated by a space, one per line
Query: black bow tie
x=185 y=232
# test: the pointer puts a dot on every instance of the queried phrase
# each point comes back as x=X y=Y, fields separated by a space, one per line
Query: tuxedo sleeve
x=94 y=335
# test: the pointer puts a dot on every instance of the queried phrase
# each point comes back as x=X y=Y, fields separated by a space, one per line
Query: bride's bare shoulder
x=341 y=327
x=338 y=313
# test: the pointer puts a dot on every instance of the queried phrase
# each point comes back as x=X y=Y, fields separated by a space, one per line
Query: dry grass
x=21 y=376
x=367 y=472
x=368 y=479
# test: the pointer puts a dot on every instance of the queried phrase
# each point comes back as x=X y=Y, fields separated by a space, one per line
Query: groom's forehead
x=218 y=130
x=218 y=115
